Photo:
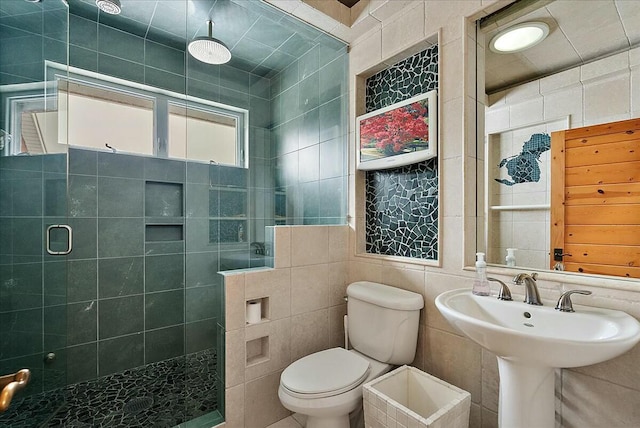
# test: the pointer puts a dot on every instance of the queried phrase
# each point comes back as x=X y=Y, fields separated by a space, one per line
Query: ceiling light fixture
x=209 y=50
x=111 y=7
x=519 y=37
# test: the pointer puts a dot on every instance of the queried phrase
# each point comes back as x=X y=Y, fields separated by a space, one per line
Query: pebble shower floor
x=162 y=394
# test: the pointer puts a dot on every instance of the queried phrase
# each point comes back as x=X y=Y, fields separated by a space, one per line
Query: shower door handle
x=69 y=239
x=10 y=384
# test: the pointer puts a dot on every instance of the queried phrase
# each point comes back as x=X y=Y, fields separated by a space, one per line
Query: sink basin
x=540 y=334
x=531 y=342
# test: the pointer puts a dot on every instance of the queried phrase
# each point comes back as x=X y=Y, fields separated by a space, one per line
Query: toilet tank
x=383 y=321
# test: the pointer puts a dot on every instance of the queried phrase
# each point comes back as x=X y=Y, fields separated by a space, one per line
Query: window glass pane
x=203 y=136
x=98 y=117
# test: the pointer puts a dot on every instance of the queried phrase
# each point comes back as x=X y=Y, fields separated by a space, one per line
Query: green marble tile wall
x=165 y=282
x=30 y=35
x=32 y=283
x=309 y=138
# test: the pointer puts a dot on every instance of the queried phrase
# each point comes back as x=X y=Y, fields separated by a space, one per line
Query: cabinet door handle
x=10 y=384
x=69 y=240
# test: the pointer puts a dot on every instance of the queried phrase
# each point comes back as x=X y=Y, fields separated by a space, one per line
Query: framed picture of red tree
x=401 y=134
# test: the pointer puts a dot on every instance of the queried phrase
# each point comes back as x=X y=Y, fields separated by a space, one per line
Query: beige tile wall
x=305 y=314
x=602 y=395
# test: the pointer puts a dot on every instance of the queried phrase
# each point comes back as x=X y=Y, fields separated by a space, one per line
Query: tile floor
x=162 y=394
x=289 y=422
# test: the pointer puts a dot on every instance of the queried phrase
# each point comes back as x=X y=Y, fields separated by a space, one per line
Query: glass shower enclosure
x=35 y=238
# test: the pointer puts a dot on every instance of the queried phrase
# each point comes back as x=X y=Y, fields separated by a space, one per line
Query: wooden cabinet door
x=595 y=199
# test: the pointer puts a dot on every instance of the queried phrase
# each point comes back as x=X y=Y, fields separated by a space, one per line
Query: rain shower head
x=111 y=7
x=209 y=50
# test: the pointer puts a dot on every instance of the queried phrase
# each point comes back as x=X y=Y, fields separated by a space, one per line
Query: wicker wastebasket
x=408 y=397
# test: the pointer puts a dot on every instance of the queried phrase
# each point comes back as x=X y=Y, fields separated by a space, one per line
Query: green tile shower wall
x=169 y=290
x=309 y=138
x=30 y=35
x=116 y=291
x=97 y=47
x=32 y=296
x=100 y=48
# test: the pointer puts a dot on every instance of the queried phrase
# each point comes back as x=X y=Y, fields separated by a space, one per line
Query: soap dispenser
x=511 y=257
x=481 y=284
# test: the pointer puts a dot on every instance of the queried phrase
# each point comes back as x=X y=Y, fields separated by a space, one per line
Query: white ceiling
x=580 y=31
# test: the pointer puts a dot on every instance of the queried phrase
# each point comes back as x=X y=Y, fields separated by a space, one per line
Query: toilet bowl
x=327 y=386
x=383 y=330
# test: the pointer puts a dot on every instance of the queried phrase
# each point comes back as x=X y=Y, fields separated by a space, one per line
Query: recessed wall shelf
x=228 y=208
x=520 y=207
x=163 y=199
x=257 y=350
x=164 y=232
x=264 y=308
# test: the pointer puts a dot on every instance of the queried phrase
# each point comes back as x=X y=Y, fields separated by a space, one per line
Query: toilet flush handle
x=346 y=332
x=346 y=325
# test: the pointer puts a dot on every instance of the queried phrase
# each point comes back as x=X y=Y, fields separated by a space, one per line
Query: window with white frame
x=109 y=114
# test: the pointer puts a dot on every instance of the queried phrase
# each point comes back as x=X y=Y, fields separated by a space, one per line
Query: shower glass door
x=34 y=234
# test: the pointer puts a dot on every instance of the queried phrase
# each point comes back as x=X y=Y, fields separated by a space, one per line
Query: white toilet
x=383 y=332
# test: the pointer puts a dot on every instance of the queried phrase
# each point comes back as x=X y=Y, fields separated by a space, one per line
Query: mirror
x=586 y=72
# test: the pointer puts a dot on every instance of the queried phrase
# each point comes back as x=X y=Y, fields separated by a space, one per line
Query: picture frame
x=400 y=134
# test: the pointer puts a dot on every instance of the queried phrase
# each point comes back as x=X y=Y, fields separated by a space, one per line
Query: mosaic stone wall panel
x=413 y=76
x=402 y=203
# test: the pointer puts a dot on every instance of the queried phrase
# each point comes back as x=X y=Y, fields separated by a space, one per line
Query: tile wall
x=303 y=310
x=139 y=250
x=31 y=34
x=98 y=47
x=32 y=311
x=309 y=110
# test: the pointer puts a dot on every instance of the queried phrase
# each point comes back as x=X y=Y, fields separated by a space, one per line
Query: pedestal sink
x=531 y=342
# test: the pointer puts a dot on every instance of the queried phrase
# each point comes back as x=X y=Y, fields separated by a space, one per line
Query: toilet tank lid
x=385 y=296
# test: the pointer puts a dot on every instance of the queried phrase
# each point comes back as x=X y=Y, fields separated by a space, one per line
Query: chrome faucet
x=564 y=302
x=504 y=293
x=260 y=248
x=531 y=295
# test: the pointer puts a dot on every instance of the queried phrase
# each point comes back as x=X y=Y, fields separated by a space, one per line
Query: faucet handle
x=564 y=302
x=504 y=293
x=519 y=278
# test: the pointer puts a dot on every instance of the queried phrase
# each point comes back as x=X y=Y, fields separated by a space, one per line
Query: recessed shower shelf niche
x=228 y=202
x=228 y=208
x=165 y=200
x=164 y=232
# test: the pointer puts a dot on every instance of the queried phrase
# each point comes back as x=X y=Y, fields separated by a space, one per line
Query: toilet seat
x=325 y=374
